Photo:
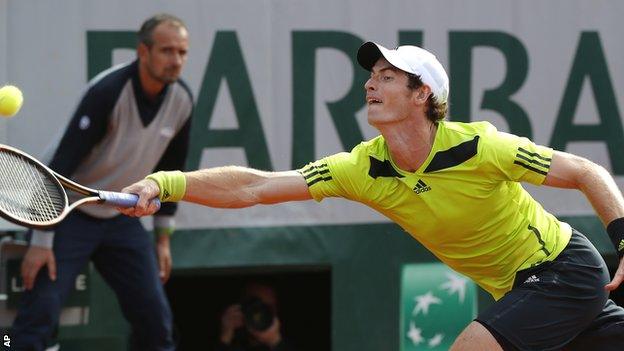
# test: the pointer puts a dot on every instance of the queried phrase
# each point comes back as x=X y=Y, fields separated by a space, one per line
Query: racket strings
x=26 y=191
x=32 y=198
x=41 y=198
x=15 y=188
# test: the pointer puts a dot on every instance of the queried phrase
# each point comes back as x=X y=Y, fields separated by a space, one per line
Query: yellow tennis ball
x=11 y=100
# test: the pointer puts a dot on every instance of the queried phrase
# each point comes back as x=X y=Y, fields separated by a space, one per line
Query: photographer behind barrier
x=253 y=324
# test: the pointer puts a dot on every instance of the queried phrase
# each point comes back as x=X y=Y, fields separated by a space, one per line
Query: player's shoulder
x=360 y=155
x=370 y=153
x=373 y=147
x=456 y=133
x=184 y=90
x=358 y=159
x=468 y=128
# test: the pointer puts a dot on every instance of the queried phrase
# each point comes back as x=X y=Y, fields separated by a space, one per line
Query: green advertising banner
x=436 y=305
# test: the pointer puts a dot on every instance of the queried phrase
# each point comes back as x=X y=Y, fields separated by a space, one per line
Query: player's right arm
x=227 y=187
x=339 y=175
x=237 y=187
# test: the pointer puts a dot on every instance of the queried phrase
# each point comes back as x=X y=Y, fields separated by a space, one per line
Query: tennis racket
x=34 y=196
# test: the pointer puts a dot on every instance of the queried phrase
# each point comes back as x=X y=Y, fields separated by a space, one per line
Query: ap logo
x=437 y=304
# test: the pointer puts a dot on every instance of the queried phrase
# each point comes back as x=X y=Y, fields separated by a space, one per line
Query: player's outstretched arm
x=222 y=187
x=236 y=187
x=574 y=172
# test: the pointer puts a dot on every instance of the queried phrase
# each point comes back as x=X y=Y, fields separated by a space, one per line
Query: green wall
x=365 y=262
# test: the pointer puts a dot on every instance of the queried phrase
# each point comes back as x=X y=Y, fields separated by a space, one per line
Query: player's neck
x=410 y=145
x=151 y=87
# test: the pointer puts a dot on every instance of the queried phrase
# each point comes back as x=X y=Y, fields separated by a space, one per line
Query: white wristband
x=163 y=221
x=42 y=238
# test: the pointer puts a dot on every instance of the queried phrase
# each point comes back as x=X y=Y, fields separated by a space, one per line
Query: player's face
x=387 y=96
x=166 y=57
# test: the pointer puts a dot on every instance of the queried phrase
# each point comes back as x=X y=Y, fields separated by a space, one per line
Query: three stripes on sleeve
x=315 y=172
x=532 y=161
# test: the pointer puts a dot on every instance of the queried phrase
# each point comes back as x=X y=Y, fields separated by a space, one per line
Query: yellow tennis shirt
x=465 y=203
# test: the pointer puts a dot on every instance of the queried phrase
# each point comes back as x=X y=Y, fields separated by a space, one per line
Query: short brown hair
x=147 y=28
x=435 y=111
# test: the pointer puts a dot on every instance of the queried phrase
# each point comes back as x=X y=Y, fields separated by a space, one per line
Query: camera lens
x=258 y=315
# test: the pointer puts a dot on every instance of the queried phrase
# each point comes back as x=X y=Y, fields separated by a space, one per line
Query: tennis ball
x=10 y=100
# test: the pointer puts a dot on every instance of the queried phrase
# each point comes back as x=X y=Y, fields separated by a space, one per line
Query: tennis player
x=456 y=188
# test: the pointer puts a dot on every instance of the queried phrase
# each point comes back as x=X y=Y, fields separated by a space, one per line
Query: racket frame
x=63 y=183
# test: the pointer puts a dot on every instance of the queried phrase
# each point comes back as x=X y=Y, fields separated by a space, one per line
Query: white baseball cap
x=410 y=59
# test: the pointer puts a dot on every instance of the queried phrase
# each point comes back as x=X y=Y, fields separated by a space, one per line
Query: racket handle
x=122 y=199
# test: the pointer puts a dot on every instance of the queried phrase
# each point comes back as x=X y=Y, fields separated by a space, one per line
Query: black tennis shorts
x=559 y=305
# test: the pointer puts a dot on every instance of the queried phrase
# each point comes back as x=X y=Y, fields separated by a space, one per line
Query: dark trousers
x=123 y=253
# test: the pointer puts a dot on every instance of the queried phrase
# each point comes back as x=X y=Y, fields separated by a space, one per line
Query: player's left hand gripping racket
x=33 y=195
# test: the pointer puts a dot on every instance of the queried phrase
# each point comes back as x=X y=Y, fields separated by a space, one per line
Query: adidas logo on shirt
x=421 y=187
x=532 y=279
